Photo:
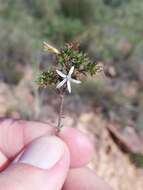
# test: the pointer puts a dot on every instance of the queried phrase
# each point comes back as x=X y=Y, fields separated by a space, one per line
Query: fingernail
x=43 y=153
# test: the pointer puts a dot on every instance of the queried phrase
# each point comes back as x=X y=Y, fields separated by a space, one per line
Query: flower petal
x=71 y=71
x=61 y=74
x=75 y=81
x=69 y=86
x=61 y=83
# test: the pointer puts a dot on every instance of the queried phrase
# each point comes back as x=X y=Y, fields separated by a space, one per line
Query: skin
x=68 y=173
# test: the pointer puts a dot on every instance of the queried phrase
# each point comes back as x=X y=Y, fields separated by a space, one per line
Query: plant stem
x=59 y=125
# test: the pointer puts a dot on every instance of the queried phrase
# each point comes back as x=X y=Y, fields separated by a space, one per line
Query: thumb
x=43 y=165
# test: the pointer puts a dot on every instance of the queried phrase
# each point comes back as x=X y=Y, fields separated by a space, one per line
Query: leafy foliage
x=67 y=57
x=72 y=56
x=47 y=78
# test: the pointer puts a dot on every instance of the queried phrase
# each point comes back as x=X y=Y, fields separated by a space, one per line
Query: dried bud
x=50 y=48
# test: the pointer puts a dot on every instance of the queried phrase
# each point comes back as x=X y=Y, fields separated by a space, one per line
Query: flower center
x=68 y=77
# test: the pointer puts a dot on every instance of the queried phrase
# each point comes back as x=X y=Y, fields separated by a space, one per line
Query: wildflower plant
x=72 y=66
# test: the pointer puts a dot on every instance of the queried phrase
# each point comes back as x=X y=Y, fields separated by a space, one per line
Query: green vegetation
x=69 y=56
x=104 y=24
x=109 y=30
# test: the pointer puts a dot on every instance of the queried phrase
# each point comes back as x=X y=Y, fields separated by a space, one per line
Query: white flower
x=67 y=79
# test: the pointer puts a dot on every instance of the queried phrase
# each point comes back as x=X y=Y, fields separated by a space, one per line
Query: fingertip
x=24 y=131
x=80 y=146
x=84 y=178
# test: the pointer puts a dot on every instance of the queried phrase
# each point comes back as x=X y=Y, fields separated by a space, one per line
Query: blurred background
x=108 y=107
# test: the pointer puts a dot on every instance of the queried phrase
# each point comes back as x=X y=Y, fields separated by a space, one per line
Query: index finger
x=16 y=134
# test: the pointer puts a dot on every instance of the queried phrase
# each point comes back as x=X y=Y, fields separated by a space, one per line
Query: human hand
x=32 y=157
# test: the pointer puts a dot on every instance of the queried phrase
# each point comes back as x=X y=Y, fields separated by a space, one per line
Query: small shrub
x=78 y=9
x=15 y=53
